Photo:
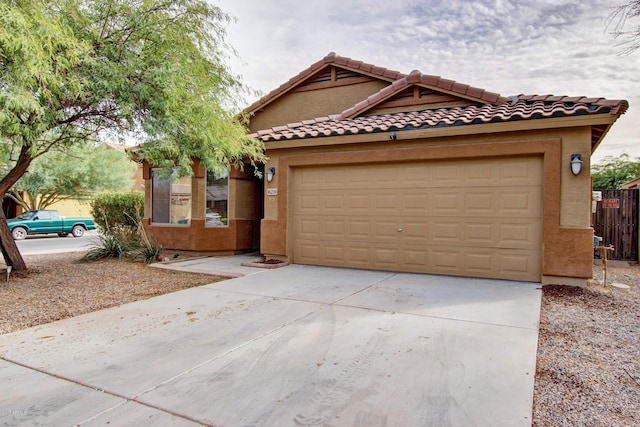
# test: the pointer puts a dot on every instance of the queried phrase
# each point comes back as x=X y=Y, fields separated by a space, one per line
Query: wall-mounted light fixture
x=576 y=164
x=270 y=174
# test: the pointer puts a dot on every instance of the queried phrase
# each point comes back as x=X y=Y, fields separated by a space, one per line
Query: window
x=44 y=216
x=170 y=199
x=217 y=199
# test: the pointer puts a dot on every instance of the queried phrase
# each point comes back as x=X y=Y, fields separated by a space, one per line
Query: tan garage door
x=480 y=217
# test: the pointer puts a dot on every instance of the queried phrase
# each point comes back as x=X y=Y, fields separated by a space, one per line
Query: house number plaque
x=272 y=191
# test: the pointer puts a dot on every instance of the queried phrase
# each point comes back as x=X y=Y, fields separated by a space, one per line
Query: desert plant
x=110 y=246
x=124 y=236
x=147 y=249
x=146 y=253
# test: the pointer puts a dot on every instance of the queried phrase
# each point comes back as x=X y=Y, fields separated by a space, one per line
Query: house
x=76 y=206
x=372 y=168
x=633 y=184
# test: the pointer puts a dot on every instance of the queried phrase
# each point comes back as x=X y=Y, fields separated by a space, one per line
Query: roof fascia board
x=553 y=123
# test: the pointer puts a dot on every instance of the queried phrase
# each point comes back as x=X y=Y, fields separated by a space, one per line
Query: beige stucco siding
x=576 y=190
x=309 y=104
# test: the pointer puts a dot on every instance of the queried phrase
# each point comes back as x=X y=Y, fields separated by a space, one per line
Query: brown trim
x=332 y=84
x=565 y=250
x=467 y=130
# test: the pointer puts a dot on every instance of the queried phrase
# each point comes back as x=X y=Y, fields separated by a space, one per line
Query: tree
x=76 y=71
x=619 y=19
x=611 y=172
x=77 y=173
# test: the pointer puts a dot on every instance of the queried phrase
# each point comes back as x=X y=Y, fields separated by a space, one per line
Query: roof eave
x=437 y=132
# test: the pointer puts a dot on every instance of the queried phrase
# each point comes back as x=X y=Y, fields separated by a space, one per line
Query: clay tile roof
x=522 y=107
x=331 y=58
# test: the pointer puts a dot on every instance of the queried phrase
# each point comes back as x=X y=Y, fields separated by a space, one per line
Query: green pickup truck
x=44 y=222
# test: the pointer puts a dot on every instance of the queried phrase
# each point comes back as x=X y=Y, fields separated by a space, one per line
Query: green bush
x=117 y=212
x=119 y=216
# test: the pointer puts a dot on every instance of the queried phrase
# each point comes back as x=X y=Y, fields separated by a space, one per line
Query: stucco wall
x=296 y=106
x=576 y=190
x=245 y=213
x=72 y=208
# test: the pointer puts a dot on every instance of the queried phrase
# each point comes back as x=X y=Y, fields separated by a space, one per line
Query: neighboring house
x=633 y=184
x=371 y=168
x=76 y=207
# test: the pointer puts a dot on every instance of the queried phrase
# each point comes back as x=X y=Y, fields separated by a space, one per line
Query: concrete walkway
x=294 y=346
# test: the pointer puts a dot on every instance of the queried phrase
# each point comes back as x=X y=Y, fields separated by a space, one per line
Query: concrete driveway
x=294 y=346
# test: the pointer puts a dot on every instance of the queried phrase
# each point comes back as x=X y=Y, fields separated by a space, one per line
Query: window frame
x=224 y=219
x=172 y=181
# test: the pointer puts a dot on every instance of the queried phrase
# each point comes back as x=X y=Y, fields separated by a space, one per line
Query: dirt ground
x=58 y=286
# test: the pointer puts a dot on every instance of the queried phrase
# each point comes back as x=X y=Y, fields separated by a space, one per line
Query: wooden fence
x=616 y=221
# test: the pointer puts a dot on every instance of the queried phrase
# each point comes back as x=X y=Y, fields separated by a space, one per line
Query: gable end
x=333 y=76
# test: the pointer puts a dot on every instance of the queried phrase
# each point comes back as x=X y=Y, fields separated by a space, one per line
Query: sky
x=559 y=47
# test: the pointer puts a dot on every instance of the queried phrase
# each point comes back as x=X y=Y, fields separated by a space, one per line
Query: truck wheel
x=19 y=233
x=63 y=234
x=77 y=231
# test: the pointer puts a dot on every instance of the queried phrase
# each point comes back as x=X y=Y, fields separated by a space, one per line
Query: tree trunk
x=10 y=252
x=8 y=246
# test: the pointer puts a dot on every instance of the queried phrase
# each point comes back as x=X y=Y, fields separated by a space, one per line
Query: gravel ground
x=588 y=368
x=57 y=286
x=588 y=365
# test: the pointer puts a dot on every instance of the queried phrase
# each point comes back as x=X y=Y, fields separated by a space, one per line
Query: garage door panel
x=446 y=260
x=519 y=172
x=312 y=252
x=446 y=232
x=359 y=229
x=414 y=232
x=358 y=255
x=481 y=233
x=310 y=229
x=359 y=203
x=357 y=178
x=386 y=258
x=414 y=176
x=386 y=203
x=519 y=202
x=386 y=176
x=480 y=263
x=333 y=204
x=415 y=259
x=520 y=235
x=446 y=175
x=334 y=229
x=480 y=173
x=480 y=217
x=480 y=203
x=414 y=203
x=445 y=203
x=514 y=264
x=385 y=230
x=333 y=254
x=308 y=203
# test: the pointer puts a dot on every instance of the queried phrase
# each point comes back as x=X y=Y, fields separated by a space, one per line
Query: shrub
x=119 y=216
x=118 y=211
